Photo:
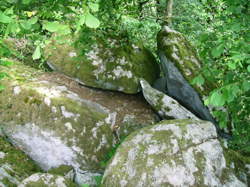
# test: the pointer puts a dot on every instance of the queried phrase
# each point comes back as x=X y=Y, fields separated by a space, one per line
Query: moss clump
x=239 y=161
x=21 y=165
x=177 y=49
x=61 y=170
x=18 y=73
x=116 y=67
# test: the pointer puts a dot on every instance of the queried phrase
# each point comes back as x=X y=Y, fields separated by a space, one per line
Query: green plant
x=220 y=31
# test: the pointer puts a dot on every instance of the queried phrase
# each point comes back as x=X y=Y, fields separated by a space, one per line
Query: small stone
x=2 y=155
x=17 y=90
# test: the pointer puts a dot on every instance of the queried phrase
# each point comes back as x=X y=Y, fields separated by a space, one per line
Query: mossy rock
x=61 y=170
x=14 y=165
x=239 y=163
x=47 y=112
x=22 y=50
x=165 y=106
x=51 y=124
x=180 y=65
x=18 y=73
x=106 y=64
x=46 y=180
x=171 y=153
x=54 y=126
x=179 y=51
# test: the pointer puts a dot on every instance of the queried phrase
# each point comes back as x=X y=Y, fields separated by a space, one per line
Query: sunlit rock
x=180 y=65
x=108 y=64
x=46 y=179
x=14 y=165
x=57 y=122
x=165 y=106
x=172 y=153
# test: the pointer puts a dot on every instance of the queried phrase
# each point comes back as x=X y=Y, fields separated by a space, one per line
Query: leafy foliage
x=217 y=28
x=220 y=31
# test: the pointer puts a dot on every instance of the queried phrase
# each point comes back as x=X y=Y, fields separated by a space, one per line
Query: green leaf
x=13 y=28
x=222 y=117
x=9 y=11
x=25 y=25
x=94 y=7
x=238 y=57
x=85 y=185
x=37 y=53
x=236 y=27
x=1 y=87
x=2 y=75
x=81 y=22
x=98 y=180
x=217 y=51
x=217 y=99
x=91 y=21
x=231 y=65
x=82 y=19
x=5 y=19
x=33 y=20
x=57 y=27
x=199 y=80
x=6 y=63
x=26 y=2
x=248 y=68
x=246 y=85
x=235 y=89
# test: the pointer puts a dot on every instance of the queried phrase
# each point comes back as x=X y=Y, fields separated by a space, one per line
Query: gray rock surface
x=14 y=165
x=46 y=180
x=180 y=65
x=57 y=122
x=172 y=153
x=106 y=64
x=165 y=106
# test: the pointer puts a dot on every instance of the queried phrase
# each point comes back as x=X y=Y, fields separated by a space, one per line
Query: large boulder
x=46 y=180
x=14 y=165
x=129 y=112
x=165 y=106
x=57 y=122
x=180 y=65
x=55 y=126
x=172 y=153
x=106 y=63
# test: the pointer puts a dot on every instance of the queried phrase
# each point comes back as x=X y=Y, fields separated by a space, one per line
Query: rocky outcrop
x=48 y=180
x=14 y=165
x=56 y=127
x=130 y=112
x=180 y=65
x=165 y=106
x=107 y=64
x=172 y=153
x=66 y=124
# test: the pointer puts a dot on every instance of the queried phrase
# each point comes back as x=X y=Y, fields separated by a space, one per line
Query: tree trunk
x=169 y=12
x=165 y=11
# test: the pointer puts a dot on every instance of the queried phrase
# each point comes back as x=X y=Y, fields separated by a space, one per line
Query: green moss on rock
x=61 y=170
x=18 y=73
x=15 y=163
x=48 y=180
x=171 y=153
x=103 y=65
x=45 y=107
x=177 y=49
